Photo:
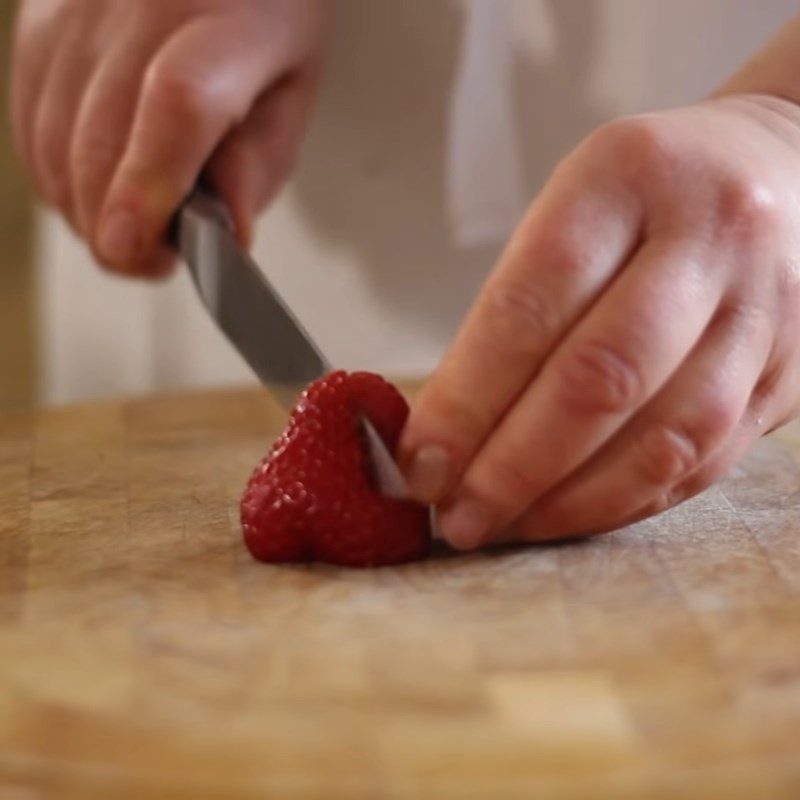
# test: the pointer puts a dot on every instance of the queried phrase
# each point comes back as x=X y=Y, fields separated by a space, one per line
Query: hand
x=119 y=104
x=640 y=332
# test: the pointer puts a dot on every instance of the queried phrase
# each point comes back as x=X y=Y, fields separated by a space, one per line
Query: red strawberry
x=313 y=497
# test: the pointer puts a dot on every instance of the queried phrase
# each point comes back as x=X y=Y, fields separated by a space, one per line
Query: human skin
x=639 y=333
x=119 y=105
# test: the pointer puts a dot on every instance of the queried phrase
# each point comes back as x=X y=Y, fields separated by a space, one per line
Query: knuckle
x=556 y=240
x=175 y=91
x=748 y=207
x=694 y=484
x=643 y=144
x=601 y=378
x=720 y=412
x=189 y=97
x=519 y=314
x=34 y=23
x=665 y=454
x=668 y=452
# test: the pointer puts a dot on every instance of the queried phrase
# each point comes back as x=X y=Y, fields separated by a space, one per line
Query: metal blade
x=257 y=321
x=388 y=478
x=243 y=303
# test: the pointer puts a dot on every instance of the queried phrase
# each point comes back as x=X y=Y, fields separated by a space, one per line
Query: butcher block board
x=143 y=654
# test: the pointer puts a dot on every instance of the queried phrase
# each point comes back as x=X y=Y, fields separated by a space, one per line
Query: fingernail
x=429 y=473
x=466 y=524
x=119 y=237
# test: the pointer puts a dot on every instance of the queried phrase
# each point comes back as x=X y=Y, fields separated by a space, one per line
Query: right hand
x=119 y=105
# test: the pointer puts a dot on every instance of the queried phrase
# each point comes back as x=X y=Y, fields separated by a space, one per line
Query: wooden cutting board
x=143 y=654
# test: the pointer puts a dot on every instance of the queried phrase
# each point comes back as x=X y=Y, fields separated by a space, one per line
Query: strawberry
x=313 y=496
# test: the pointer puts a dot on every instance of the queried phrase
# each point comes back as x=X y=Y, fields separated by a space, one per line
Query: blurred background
x=378 y=242
x=18 y=312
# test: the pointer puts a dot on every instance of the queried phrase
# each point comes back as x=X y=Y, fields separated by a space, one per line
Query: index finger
x=569 y=247
x=200 y=85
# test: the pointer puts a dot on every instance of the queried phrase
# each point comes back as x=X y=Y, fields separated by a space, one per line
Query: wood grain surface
x=143 y=654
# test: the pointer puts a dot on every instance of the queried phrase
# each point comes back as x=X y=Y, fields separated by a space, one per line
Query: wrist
x=772 y=76
x=780 y=115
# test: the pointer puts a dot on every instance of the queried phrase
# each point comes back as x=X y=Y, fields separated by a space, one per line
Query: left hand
x=639 y=334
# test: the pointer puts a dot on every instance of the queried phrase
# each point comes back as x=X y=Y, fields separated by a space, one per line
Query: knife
x=256 y=320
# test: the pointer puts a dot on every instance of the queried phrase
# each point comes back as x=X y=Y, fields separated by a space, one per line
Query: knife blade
x=256 y=320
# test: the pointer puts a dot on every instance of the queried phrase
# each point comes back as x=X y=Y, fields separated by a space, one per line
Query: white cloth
x=485 y=192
